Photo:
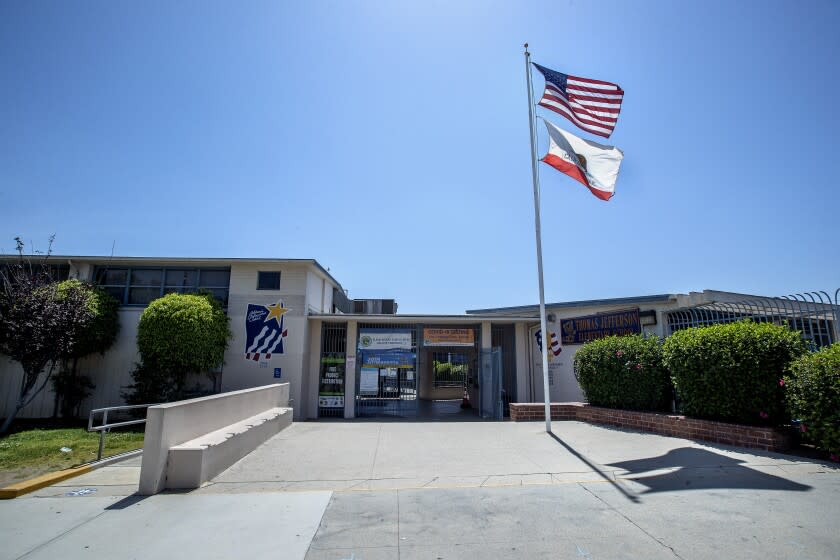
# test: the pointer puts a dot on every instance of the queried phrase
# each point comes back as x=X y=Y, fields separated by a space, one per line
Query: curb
x=25 y=487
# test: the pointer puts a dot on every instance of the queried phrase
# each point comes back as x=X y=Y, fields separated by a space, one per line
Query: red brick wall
x=768 y=439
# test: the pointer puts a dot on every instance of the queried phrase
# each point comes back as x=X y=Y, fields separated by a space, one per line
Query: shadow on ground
x=695 y=469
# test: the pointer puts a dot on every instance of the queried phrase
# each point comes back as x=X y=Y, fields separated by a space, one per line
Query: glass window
x=142 y=296
x=112 y=276
x=217 y=278
x=146 y=276
x=181 y=277
x=147 y=284
x=268 y=280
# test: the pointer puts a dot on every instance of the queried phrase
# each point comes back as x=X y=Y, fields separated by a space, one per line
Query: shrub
x=731 y=372
x=812 y=390
x=97 y=335
x=178 y=335
x=624 y=372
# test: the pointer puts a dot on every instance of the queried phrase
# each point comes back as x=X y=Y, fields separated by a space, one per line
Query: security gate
x=386 y=380
x=490 y=385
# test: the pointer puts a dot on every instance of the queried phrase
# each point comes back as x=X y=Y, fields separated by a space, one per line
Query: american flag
x=592 y=105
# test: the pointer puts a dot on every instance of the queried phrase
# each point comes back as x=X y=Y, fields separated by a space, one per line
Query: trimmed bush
x=624 y=372
x=731 y=372
x=812 y=390
x=183 y=332
x=178 y=335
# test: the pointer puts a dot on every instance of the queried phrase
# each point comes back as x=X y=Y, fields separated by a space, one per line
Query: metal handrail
x=105 y=427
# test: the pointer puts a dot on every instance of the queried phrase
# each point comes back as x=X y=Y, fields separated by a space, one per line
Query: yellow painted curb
x=27 y=486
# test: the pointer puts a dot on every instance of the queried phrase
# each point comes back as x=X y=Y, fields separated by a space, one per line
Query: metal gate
x=504 y=337
x=389 y=390
x=331 y=375
x=490 y=404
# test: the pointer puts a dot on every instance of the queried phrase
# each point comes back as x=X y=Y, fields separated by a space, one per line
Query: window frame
x=162 y=285
x=279 y=280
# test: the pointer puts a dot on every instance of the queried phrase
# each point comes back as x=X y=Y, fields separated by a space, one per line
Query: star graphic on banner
x=275 y=311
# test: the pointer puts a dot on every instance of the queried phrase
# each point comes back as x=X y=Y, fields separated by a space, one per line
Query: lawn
x=32 y=452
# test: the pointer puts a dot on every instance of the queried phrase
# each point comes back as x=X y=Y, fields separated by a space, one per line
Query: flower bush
x=813 y=395
x=732 y=372
x=624 y=372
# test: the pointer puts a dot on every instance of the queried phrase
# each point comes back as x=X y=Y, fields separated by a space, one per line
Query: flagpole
x=546 y=336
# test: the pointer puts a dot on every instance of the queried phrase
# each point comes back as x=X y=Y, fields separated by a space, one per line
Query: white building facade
x=292 y=322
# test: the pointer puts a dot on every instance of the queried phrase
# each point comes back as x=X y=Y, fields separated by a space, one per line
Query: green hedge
x=182 y=333
x=813 y=393
x=732 y=372
x=624 y=372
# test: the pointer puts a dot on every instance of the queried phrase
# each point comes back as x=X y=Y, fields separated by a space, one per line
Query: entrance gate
x=386 y=382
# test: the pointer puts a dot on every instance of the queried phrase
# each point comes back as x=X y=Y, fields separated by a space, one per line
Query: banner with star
x=264 y=330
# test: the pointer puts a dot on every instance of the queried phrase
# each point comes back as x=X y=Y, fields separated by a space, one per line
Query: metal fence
x=815 y=314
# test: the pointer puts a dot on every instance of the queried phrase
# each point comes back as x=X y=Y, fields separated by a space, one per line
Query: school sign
x=578 y=330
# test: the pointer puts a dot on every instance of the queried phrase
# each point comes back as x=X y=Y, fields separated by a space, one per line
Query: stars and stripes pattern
x=554 y=347
x=592 y=105
x=264 y=330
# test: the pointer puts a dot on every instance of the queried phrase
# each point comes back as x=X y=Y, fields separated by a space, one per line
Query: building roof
x=411 y=318
x=528 y=309
x=192 y=260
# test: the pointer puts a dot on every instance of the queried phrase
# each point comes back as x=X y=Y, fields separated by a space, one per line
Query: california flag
x=593 y=164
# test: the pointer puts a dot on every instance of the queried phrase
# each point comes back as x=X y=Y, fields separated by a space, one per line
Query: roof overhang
x=428 y=319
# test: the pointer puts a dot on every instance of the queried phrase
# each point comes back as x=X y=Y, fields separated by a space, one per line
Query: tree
x=96 y=337
x=37 y=327
x=178 y=335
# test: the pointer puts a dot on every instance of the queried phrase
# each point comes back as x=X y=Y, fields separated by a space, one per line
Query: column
x=350 y=371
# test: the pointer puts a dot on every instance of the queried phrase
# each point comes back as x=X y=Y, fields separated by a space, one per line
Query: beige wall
x=295 y=285
x=302 y=287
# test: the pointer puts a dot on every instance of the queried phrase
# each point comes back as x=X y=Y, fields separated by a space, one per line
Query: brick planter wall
x=768 y=439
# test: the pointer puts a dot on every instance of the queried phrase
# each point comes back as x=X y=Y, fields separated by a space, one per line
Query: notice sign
x=448 y=337
x=369 y=381
x=385 y=339
x=583 y=329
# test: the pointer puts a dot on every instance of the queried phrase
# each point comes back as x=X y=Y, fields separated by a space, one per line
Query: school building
x=293 y=322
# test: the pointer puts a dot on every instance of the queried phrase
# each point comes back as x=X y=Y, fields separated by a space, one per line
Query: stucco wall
x=111 y=372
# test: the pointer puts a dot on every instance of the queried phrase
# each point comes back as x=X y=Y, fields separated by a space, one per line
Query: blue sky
x=390 y=142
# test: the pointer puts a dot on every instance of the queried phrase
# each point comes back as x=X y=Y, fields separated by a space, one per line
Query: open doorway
x=445 y=385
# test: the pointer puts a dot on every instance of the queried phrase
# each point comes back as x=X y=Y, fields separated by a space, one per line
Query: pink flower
x=764 y=415
x=803 y=428
x=781 y=382
x=638 y=366
x=619 y=354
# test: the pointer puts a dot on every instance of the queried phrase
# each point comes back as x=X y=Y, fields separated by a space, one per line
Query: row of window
x=139 y=286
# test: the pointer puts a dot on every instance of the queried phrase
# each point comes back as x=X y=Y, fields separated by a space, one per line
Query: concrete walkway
x=367 y=490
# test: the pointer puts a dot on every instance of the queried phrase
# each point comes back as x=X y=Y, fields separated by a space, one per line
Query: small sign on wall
x=277 y=373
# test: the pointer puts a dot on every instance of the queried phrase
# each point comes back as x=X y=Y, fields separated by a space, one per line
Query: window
x=268 y=280
x=139 y=286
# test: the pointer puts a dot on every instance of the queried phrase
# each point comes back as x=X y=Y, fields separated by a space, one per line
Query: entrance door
x=450 y=371
x=386 y=391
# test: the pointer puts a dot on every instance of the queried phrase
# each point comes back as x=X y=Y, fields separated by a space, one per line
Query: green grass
x=33 y=452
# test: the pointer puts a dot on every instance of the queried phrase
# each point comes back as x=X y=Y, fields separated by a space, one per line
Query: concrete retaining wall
x=172 y=424
x=768 y=439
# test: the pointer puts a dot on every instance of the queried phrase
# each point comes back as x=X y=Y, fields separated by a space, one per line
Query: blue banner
x=578 y=330
x=388 y=358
